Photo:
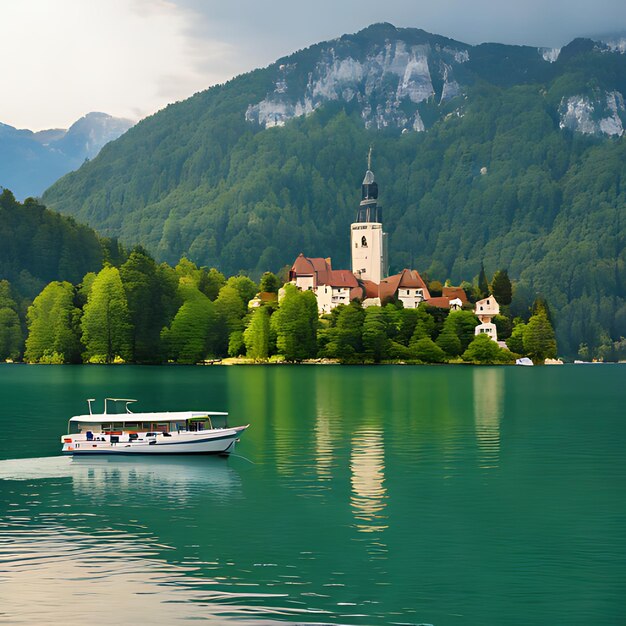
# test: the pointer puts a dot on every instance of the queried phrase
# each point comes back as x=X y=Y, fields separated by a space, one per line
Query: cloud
x=62 y=59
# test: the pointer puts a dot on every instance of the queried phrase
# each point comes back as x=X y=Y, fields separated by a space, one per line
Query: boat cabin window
x=199 y=423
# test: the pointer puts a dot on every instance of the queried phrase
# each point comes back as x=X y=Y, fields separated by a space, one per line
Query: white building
x=368 y=242
x=485 y=310
x=331 y=287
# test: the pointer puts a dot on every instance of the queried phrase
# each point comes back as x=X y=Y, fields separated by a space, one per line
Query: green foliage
x=449 y=341
x=427 y=350
x=515 y=342
x=376 y=343
x=189 y=338
x=484 y=350
x=106 y=324
x=54 y=326
x=38 y=246
x=269 y=283
x=295 y=323
x=257 y=334
x=146 y=294
x=483 y=285
x=501 y=288
x=464 y=323
x=245 y=287
x=539 y=340
x=11 y=338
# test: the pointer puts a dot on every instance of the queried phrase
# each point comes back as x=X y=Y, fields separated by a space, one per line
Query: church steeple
x=368 y=209
x=368 y=242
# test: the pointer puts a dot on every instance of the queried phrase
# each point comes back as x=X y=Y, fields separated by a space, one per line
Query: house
x=455 y=293
x=332 y=287
x=485 y=310
x=261 y=298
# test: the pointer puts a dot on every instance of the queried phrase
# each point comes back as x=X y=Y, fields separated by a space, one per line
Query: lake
x=359 y=495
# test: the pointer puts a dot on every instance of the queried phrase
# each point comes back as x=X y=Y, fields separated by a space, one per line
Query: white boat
x=182 y=432
x=524 y=361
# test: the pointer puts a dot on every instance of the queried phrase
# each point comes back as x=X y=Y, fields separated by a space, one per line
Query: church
x=368 y=280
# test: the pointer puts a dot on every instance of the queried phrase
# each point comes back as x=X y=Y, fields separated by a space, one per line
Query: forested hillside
x=38 y=246
x=519 y=166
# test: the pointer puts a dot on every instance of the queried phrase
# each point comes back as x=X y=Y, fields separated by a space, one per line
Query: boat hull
x=219 y=443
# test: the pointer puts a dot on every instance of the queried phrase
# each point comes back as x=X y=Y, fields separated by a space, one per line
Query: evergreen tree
x=295 y=323
x=11 y=338
x=106 y=322
x=539 y=340
x=257 y=334
x=449 y=341
x=188 y=339
x=425 y=349
x=144 y=294
x=515 y=342
x=483 y=284
x=54 y=326
x=376 y=343
x=501 y=288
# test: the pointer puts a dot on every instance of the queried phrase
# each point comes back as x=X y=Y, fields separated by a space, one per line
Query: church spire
x=368 y=209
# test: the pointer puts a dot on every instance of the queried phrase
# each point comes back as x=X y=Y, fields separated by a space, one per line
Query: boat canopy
x=145 y=417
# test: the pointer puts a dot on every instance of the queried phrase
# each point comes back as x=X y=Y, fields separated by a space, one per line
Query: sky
x=60 y=59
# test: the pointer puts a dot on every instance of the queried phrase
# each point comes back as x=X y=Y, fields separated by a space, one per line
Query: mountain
x=509 y=155
x=31 y=161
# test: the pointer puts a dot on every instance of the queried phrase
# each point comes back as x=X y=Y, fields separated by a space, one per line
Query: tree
x=376 y=343
x=188 y=339
x=54 y=326
x=427 y=350
x=501 y=288
x=539 y=339
x=269 y=283
x=245 y=287
x=295 y=323
x=484 y=350
x=11 y=338
x=106 y=323
x=483 y=284
x=515 y=342
x=257 y=334
x=464 y=323
x=144 y=294
x=449 y=341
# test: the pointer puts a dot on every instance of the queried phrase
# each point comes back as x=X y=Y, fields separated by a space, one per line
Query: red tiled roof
x=442 y=302
x=341 y=278
x=317 y=267
x=370 y=288
x=302 y=266
x=405 y=279
x=455 y=292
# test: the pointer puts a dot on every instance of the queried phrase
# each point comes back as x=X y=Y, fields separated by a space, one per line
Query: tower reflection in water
x=488 y=410
x=369 y=494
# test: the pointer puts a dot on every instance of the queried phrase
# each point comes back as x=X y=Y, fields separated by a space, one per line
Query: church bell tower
x=368 y=242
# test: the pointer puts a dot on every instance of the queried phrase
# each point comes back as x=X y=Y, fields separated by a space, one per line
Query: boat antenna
x=89 y=401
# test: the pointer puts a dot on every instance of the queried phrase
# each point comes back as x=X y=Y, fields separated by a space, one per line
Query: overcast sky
x=60 y=59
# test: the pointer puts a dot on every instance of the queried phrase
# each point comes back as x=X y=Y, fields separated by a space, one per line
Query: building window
x=364 y=242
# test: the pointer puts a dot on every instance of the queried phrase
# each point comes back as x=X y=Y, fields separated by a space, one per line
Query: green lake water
x=359 y=495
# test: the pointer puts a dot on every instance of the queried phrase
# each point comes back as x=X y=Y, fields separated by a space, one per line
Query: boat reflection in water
x=157 y=478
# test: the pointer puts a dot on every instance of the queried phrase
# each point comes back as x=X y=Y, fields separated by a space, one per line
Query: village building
x=368 y=280
x=332 y=287
x=485 y=310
